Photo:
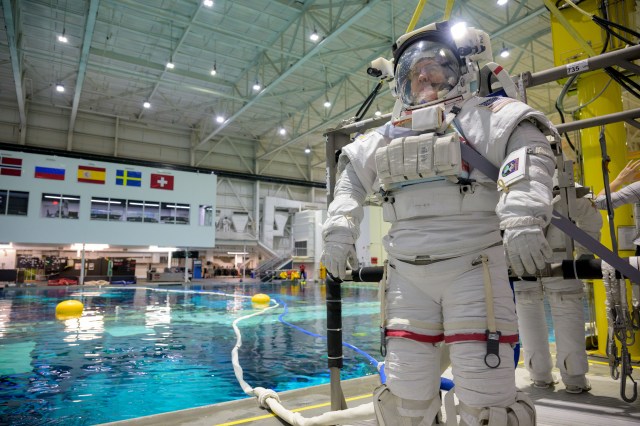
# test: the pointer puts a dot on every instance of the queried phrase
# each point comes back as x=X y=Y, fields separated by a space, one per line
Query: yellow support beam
x=569 y=28
x=447 y=10
x=416 y=15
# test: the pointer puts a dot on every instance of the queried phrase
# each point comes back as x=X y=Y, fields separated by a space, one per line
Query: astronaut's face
x=428 y=79
x=426 y=72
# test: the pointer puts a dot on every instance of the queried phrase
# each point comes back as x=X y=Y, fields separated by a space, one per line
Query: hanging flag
x=49 y=173
x=10 y=166
x=161 y=181
x=128 y=178
x=88 y=174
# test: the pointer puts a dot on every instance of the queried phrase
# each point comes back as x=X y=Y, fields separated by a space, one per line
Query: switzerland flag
x=161 y=181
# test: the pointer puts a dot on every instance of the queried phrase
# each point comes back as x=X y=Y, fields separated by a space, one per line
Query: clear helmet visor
x=426 y=72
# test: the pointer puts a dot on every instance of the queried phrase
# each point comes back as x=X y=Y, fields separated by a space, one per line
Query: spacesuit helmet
x=426 y=71
x=437 y=62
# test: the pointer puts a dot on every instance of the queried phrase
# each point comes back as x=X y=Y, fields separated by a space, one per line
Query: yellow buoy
x=260 y=299
x=69 y=309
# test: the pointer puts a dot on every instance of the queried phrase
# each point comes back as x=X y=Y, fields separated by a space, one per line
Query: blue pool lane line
x=445 y=384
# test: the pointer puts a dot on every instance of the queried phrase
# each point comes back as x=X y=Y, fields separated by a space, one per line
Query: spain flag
x=88 y=174
x=128 y=178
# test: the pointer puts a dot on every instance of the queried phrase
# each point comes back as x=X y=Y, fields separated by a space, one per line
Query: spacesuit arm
x=589 y=219
x=529 y=200
x=525 y=205
x=345 y=211
x=342 y=227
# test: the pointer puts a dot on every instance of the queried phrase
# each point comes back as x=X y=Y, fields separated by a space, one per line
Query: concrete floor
x=601 y=406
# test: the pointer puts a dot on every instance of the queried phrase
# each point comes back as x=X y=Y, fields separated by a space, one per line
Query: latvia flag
x=161 y=181
x=11 y=166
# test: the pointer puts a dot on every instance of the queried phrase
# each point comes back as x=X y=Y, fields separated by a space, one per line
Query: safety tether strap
x=382 y=294
x=480 y=163
x=488 y=293
x=492 y=357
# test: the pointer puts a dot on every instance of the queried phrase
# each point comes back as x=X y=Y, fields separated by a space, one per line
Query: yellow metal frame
x=420 y=7
x=575 y=37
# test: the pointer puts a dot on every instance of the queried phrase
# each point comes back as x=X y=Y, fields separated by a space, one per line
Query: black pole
x=334 y=324
x=334 y=342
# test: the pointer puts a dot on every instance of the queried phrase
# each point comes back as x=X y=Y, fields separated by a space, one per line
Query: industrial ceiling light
x=504 y=52
x=146 y=104
x=458 y=30
x=307 y=150
x=170 y=64
x=378 y=113
x=220 y=119
x=257 y=86
x=214 y=70
x=62 y=38
x=282 y=131
x=502 y=2
x=208 y=3
x=326 y=104
x=314 y=36
x=59 y=88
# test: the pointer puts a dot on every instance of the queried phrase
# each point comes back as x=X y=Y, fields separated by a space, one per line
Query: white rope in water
x=268 y=398
x=234 y=353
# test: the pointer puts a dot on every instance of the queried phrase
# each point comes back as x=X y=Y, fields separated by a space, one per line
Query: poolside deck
x=601 y=406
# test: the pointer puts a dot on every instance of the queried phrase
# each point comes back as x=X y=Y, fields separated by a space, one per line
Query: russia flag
x=49 y=173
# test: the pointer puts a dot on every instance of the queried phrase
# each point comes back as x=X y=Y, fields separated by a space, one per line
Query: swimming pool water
x=136 y=351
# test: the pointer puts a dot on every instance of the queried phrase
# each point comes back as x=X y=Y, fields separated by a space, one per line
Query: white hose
x=268 y=398
x=234 y=353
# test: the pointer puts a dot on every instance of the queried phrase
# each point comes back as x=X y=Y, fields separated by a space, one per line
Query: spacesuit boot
x=534 y=333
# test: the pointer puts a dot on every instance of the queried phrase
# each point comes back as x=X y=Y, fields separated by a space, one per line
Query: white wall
x=189 y=188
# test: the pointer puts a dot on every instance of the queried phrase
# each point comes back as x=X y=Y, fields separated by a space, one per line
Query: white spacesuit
x=446 y=278
x=565 y=299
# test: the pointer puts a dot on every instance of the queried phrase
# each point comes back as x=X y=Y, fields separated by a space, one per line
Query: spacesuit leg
x=394 y=403
x=414 y=348
x=486 y=394
x=566 y=301
x=534 y=333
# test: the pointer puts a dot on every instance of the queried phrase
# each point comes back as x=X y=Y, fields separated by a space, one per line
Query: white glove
x=336 y=256
x=527 y=249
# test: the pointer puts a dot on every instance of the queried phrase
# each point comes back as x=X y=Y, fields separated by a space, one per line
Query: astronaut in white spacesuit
x=565 y=299
x=446 y=277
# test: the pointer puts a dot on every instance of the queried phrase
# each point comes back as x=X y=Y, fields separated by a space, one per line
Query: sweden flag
x=128 y=178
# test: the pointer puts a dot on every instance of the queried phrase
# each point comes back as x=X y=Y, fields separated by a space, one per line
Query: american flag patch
x=496 y=103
